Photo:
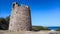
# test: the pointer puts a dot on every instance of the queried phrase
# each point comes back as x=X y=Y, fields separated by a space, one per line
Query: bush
x=38 y=28
x=58 y=29
x=4 y=23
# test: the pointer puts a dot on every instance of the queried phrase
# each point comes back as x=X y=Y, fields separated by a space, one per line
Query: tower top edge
x=14 y=3
x=24 y=5
x=21 y=5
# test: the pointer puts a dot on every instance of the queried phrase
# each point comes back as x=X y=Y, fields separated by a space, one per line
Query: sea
x=53 y=28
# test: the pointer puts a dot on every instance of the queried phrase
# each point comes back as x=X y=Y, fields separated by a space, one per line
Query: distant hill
x=38 y=28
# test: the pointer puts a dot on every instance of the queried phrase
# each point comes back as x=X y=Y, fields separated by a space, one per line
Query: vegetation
x=4 y=23
x=38 y=28
x=58 y=29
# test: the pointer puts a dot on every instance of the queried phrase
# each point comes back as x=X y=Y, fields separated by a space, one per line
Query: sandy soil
x=30 y=32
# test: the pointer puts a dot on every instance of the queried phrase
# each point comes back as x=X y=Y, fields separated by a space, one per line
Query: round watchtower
x=20 y=19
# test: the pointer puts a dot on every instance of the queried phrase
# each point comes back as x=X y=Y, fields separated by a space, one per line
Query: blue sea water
x=53 y=28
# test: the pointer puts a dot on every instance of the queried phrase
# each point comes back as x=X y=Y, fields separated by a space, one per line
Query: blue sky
x=43 y=12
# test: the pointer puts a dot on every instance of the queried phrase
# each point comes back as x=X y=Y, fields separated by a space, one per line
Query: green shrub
x=38 y=28
x=58 y=29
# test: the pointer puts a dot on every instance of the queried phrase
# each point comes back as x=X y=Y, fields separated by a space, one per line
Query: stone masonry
x=20 y=19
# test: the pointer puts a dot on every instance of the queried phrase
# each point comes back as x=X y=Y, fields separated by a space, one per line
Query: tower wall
x=20 y=19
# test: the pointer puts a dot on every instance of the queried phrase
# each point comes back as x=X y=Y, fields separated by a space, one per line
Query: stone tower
x=20 y=19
